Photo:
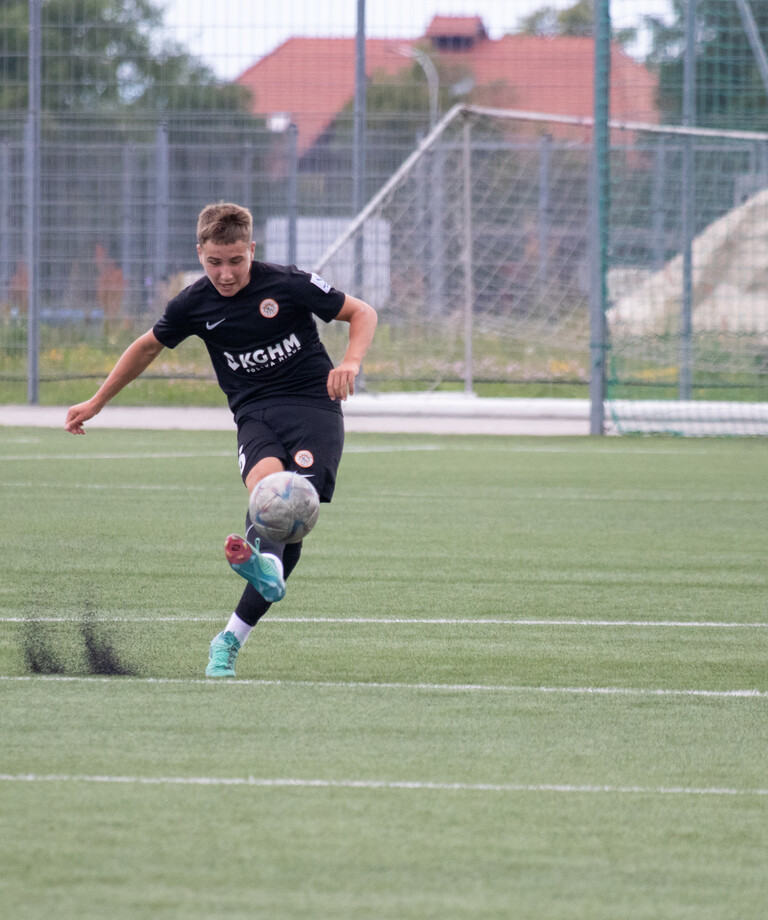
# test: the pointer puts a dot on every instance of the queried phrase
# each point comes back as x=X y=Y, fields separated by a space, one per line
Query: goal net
x=478 y=254
x=475 y=254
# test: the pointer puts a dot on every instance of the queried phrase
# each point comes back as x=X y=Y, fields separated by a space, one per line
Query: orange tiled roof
x=312 y=79
x=459 y=26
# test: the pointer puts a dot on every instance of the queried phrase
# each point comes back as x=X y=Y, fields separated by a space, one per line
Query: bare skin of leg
x=263 y=468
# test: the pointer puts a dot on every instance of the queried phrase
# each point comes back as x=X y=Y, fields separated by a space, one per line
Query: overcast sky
x=230 y=35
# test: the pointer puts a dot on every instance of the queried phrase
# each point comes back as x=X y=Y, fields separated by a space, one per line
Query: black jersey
x=263 y=341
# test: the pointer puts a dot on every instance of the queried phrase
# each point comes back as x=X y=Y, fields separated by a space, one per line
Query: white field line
x=444 y=446
x=395 y=685
x=120 y=487
x=417 y=785
x=552 y=495
x=193 y=454
x=410 y=621
x=197 y=454
x=159 y=455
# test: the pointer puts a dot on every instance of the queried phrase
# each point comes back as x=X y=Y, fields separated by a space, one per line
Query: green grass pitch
x=512 y=678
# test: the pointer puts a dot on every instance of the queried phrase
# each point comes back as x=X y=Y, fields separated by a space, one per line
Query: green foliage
x=729 y=89
x=103 y=56
x=578 y=20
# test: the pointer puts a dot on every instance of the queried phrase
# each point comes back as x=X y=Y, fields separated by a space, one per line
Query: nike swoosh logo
x=214 y=325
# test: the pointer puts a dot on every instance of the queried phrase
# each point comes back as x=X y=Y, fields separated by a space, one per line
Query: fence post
x=33 y=142
x=246 y=195
x=358 y=148
x=599 y=204
x=545 y=160
x=437 y=261
x=469 y=288
x=162 y=204
x=658 y=240
x=293 y=192
x=685 y=376
x=5 y=218
x=126 y=221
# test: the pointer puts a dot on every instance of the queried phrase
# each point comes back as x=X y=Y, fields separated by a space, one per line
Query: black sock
x=251 y=607
x=291 y=555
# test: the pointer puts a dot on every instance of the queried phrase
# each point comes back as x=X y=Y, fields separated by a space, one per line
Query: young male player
x=257 y=322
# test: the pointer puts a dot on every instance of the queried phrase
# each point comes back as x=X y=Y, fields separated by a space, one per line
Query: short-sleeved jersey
x=263 y=341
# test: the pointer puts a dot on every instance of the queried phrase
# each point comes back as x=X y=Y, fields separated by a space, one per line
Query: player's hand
x=341 y=380
x=79 y=414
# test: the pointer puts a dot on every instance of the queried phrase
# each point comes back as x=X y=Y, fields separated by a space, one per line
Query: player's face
x=228 y=266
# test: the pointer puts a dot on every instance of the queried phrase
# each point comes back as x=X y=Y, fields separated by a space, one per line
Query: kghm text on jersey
x=264 y=357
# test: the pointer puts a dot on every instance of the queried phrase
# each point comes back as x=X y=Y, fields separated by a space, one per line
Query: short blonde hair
x=224 y=223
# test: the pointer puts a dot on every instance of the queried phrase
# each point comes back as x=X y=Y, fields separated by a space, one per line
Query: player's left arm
x=362 y=321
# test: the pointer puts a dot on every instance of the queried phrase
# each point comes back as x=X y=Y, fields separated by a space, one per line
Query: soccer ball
x=284 y=507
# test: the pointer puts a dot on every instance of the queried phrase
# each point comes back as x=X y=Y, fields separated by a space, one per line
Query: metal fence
x=118 y=212
x=106 y=159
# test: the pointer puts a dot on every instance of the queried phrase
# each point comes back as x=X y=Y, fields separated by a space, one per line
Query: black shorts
x=307 y=439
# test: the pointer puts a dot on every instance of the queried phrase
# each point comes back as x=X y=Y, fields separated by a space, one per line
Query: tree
x=729 y=89
x=577 y=20
x=102 y=57
x=542 y=22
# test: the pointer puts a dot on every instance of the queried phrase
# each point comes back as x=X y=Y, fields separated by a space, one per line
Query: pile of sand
x=730 y=281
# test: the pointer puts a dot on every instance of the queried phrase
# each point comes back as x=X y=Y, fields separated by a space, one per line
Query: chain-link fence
x=489 y=232
x=479 y=254
x=688 y=312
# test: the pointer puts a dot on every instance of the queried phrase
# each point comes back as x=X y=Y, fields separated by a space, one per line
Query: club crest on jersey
x=269 y=308
x=318 y=282
x=304 y=458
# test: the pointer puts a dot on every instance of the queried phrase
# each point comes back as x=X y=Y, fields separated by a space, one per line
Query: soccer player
x=258 y=323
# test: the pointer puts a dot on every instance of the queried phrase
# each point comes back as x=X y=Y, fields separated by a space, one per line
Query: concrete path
x=429 y=413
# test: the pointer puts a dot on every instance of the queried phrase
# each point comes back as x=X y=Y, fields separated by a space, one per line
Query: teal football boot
x=256 y=568
x=224 y=649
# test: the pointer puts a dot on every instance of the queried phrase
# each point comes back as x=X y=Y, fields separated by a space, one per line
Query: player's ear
x=200 y=253
x=253 y=248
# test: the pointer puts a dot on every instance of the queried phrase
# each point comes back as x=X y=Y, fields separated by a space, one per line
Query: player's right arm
x=134 y=360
